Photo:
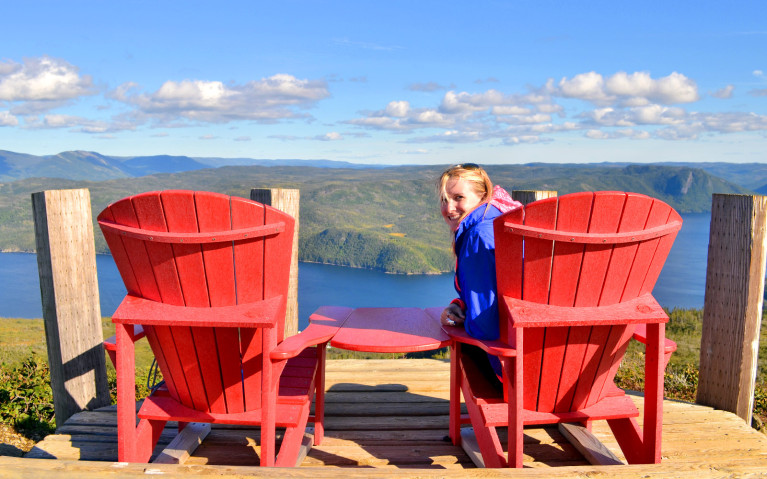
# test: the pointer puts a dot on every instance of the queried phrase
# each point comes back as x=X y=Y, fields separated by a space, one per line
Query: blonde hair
x=471 y=172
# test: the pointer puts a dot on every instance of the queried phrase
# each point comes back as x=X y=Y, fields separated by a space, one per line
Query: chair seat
x=293 y=400
x=495 y=410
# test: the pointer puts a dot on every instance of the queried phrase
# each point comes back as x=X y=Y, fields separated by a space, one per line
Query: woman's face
x=460 y=199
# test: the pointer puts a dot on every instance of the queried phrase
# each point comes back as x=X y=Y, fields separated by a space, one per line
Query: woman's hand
x=453 y=315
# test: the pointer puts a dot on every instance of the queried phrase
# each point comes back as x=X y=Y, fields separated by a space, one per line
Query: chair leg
x=455 y=394
x=512 y=384
x=268 y=400
x=126 y=394
x=653 y=399
x=292 y=441
x=487 y=437
x=147 y=434
x=629 y=436
x=319 y=396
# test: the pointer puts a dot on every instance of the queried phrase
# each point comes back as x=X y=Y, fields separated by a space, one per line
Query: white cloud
x=510 y=110
x=397 y=109
x=724 y=93
x=629 y=133
x=633 y=89
x=758 y=73
x=585 y=86
x=452 y=136
x=332 y=136
x=516 y=140
x=628 y=106
x=733 y=122
x=42 y=79
x=525 y=119
x=6 y=119
x=550 y=108
x=467 y=102
x=380 y=123
x=597 y=135
x=643 y=115
x=270 y=99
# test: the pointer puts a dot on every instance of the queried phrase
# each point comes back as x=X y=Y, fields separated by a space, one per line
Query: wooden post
x=66 y=262
x=286 y=200
x=528 y=196
x=732 y=311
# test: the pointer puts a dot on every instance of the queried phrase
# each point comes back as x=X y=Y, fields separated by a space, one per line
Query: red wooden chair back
x=156 y=241
x=581 y=249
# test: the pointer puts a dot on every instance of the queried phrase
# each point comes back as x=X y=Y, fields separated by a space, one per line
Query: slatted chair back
x=579 y=250
x=203 y=250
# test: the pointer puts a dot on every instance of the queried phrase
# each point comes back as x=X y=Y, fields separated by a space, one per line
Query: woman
x=469 y=204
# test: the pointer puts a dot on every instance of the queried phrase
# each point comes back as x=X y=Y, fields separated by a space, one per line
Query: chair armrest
x=495 y=347
x=640 y=334
x=323 y=325
x=136 y=310
x=110 y=343
x=527 y=314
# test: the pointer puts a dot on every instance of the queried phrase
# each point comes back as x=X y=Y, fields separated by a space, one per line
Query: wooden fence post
x=66 y=262
x=732 y=311
x=286 y=200
x=528 y=196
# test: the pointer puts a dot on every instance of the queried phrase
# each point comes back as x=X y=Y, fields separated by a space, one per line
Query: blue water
x=681 y=284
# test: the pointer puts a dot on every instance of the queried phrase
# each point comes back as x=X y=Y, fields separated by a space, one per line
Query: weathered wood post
x=528 y=196
x=285 y=200
x=66 y=261
x=732 y=311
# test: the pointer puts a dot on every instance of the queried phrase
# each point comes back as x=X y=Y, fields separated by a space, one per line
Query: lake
x=681 y=284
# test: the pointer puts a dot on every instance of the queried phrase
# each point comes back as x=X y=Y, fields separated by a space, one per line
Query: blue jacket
x=475 y=271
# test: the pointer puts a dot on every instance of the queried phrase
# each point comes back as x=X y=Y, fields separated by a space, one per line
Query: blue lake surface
x=681 y=284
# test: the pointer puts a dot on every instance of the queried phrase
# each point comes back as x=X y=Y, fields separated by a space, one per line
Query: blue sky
x=395 y=82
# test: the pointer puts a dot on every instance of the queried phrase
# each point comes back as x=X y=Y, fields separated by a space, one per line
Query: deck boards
x=391 y=415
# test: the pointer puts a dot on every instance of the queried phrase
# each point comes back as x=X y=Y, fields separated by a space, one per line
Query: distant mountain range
x=89 y=165
x=384 y=218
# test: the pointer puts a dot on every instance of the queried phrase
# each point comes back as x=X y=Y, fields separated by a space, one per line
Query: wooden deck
x=389 y=418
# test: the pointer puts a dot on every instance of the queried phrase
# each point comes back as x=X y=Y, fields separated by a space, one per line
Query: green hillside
x=385 y=219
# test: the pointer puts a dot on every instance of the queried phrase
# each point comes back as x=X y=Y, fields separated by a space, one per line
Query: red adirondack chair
x=575 y=276
x=207 y=278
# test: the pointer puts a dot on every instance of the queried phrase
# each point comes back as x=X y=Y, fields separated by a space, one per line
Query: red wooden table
x=391 y=330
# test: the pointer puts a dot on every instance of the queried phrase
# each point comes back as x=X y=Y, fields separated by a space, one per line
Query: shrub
x=26 y=399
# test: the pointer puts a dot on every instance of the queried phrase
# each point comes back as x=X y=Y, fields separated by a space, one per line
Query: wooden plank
x=184 y=444
x=732 y=310
x=699 y=442
x=66 y=261
x=528 y=196
x=11 y=467
x=471 y=447
x=587 y=444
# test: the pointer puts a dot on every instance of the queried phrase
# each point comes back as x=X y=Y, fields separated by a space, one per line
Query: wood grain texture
x=699 y=442
x=66 y=260
x=733 y=303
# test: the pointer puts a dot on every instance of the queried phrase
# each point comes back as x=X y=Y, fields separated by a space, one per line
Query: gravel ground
x=13 y=443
